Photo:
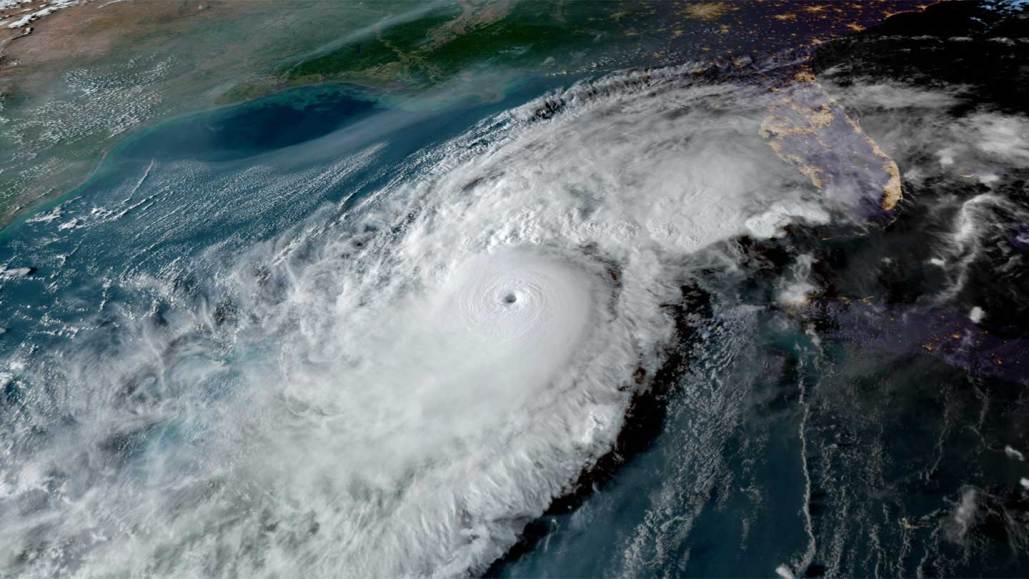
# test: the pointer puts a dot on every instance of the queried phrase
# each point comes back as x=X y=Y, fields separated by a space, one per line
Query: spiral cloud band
x=410 y=383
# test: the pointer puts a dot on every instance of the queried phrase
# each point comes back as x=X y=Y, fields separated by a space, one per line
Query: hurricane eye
x=510 y=298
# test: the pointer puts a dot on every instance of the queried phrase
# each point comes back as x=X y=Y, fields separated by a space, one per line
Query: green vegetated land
x=438 y=45
x=57 y=134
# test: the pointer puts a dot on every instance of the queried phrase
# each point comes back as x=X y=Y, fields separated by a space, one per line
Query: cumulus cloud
x=399 y=390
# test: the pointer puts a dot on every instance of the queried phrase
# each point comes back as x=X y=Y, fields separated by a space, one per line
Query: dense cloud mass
x=399 y=387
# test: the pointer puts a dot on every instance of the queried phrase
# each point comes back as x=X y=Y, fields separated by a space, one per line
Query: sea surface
x=222 y=353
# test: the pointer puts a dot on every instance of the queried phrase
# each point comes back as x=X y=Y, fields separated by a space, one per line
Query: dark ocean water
x=164 y=198
x=845 y=437
x=173 y=191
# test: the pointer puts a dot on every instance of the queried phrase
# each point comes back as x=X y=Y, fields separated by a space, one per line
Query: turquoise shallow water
x=822 y=441
x=166 y=194
x=177 y=202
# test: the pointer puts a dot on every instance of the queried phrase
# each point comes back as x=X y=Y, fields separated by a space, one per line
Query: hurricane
x=397 y=375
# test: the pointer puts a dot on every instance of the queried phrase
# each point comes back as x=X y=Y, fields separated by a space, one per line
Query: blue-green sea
x=590 y=326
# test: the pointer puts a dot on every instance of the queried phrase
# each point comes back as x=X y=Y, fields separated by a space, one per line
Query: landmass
x=75 y=76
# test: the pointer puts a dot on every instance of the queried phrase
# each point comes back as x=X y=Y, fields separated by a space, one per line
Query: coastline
x=95 y=32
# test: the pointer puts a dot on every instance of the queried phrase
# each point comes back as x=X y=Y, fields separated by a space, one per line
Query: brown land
x=85 y=32
x=93 y=32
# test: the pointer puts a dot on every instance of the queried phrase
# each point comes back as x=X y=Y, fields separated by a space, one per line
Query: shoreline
x=100 y=29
